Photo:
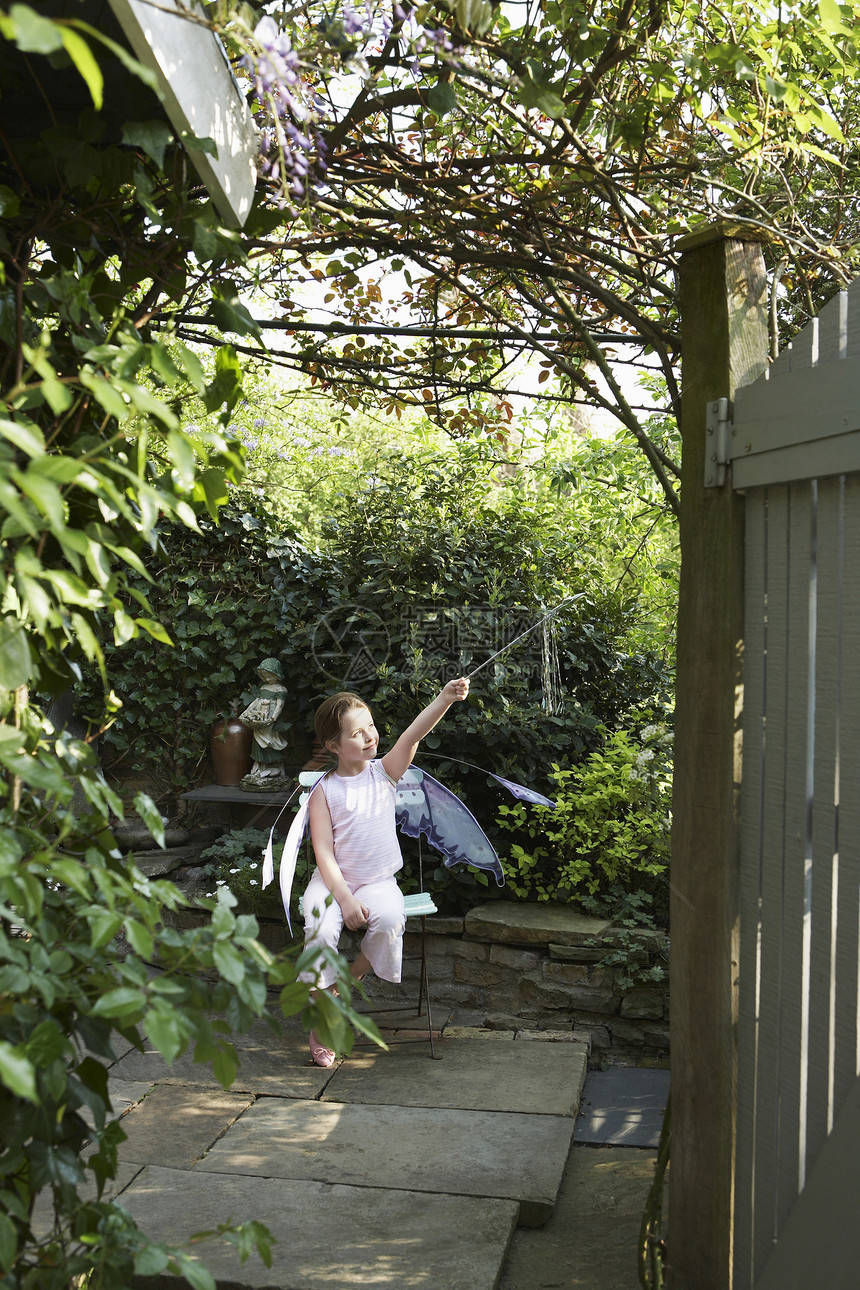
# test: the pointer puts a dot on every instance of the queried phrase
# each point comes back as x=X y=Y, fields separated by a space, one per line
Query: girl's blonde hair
x=328 y=718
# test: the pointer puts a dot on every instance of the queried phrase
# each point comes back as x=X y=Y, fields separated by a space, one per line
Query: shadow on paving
x=389 y=1169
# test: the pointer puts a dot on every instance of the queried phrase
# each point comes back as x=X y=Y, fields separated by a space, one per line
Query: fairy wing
x=524 y=794
x=292 y=843
x=423 y=805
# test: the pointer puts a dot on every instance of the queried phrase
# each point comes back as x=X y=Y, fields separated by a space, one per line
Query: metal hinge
x=718 y=424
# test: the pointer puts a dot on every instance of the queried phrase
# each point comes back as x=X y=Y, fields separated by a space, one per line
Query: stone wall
x=514 y=966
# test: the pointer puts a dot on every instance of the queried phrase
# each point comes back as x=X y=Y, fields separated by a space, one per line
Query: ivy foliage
x=98 y=225
x=423 y=574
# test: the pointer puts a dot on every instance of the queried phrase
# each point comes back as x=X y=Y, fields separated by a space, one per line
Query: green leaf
x=151 y=816
x=24 y=435
x=8 y=1242
x=82 y=57
x=231 y=315
x=17 y=508
x=830 y=15
x=148 y=404
x=33 y=33
x=151 y=1260
x=124 y=627
x=72 y=589
x=442 y=98
x=104 y=926
x=183 y=458
x=214 y=488
x=120 y=1004
x=164 y=1029
x=109 y=397
x=152 y=137
x=155 y=630
x=192 y=367
x=17 y=1072
x=199 y=143
x=139 y=938
x=44 y=494
x=10 y=203
x=16 y=661
x=228 y=961
x=225 y=1065
x=226 y=385
x=197 y=1276
x=72 y=875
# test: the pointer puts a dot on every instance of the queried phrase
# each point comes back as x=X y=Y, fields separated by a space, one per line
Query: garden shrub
x=233 y=861
x=444 y=572
x=428 y=559
x=606 y=844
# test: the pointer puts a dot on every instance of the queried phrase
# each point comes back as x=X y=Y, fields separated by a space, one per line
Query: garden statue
x=263 y=715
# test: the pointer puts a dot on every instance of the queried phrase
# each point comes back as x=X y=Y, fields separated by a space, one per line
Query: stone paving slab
x=623 y=1107
x=329 y=1237
x=176 y=1126
x=475 y=1074
x=471 y=1153
x=277 y=1064
x=123 y=1094
x=592 y=1240
x=43 y=1209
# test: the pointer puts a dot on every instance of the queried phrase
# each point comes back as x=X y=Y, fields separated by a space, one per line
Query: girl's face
x=358 y=739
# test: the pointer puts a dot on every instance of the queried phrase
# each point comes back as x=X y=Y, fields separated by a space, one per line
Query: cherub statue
x=263 y=714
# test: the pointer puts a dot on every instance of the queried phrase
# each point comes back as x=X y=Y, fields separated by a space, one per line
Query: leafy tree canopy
x=514 y=178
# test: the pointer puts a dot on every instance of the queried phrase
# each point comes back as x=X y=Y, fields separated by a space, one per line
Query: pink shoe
x=322 y=1056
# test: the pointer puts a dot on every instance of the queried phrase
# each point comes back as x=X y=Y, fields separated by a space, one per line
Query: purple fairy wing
x=523 y=793
x=423 y=805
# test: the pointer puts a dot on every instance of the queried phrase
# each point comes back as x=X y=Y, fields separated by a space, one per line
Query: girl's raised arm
x=398 y=759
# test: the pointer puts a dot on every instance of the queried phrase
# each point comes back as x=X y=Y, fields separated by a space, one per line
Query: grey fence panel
x=799 y=970
x=767 y=849
x=798 y=1097
x=799 y=706
x=846 y=1055
x=750 y=882
x=824 y=878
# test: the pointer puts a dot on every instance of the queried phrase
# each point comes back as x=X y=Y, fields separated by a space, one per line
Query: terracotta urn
x=230 y=745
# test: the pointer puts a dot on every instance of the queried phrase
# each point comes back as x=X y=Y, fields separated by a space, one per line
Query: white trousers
x=382 y=944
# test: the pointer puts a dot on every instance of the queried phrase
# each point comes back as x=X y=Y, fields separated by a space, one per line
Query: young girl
x=354 y=837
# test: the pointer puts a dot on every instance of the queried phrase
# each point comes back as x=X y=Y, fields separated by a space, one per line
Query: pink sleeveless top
x=362 y=818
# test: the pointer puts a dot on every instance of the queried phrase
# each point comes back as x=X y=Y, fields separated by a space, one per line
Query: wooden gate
x=794 y=448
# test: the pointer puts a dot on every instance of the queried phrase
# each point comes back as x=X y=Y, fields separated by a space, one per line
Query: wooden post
x=723 y=288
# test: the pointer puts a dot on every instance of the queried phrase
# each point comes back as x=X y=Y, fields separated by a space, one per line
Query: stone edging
x=514 y=966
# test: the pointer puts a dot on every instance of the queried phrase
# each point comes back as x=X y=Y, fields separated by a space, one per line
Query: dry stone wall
x=513 y=966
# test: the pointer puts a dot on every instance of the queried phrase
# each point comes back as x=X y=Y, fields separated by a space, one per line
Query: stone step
x=461 y=1153
x=388 y=1169
x=473 y=1074
x=327 y=1236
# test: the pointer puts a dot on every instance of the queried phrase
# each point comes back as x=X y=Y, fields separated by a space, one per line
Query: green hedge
x=417 y=581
